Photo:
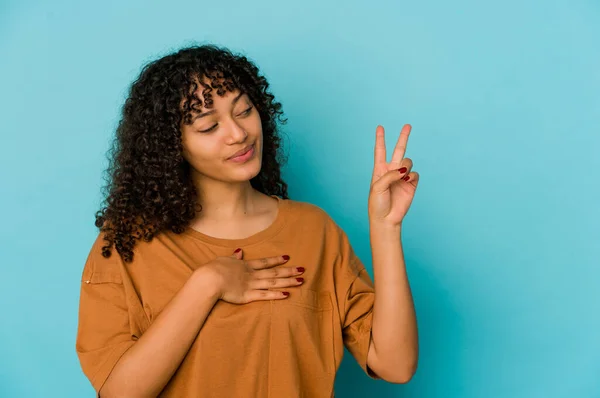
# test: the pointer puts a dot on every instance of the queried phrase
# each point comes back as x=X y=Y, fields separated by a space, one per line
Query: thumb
x=237 y=254
x=386 y=180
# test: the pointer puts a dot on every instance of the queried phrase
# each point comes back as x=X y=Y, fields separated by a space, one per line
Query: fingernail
x=406 y=178
x=286 y=257
x=286 y=293
x=237 y=250
x=403 y=170
x=300 y=279
x=300 y=269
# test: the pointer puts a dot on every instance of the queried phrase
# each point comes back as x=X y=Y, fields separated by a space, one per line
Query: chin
x=248 y=171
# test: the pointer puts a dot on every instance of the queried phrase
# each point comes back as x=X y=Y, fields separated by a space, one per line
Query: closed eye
x=244 y=113
x=209 y=129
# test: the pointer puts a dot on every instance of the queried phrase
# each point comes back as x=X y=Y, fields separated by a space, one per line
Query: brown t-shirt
x=280 y=348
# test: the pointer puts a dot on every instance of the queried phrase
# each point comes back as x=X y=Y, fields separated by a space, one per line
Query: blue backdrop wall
x=502 y=242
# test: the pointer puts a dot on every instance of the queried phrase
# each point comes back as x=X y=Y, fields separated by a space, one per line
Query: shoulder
x=100 y=268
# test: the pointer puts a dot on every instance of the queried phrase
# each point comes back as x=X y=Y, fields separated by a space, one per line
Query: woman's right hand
x=243 y=281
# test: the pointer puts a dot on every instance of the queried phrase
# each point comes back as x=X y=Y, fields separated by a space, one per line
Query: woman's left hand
x=393 y=184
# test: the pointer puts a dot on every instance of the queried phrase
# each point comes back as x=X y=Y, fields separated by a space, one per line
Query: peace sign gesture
x=393 y=184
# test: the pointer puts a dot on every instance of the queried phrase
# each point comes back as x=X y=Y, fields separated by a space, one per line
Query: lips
x=243 y=151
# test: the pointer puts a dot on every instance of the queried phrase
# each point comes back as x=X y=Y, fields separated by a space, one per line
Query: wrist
x=384 y=227
x=206 y=280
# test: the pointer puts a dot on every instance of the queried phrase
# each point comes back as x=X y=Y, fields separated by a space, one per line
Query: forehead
x=208 y=91
x=204 y=98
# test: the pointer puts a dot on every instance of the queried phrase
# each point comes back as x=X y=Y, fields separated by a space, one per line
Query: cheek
x=197 y=150
x=255 y=122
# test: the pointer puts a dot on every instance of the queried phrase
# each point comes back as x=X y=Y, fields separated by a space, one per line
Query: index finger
x=266 y=262
x=380 y=155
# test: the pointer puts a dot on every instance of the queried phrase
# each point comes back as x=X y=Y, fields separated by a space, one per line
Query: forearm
x=393 y=352
x=149 y=364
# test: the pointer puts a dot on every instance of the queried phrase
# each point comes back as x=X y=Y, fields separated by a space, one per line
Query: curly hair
x=148 y=186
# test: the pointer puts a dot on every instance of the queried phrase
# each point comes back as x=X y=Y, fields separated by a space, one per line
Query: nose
x=235 y=133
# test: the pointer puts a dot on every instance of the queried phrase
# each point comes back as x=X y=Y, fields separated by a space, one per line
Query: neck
x=224 y=201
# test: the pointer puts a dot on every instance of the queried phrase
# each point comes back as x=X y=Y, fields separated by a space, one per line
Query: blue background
x=502 y=241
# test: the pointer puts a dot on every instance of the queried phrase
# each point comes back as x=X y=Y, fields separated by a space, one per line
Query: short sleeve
x=103 y=333
x=356 y=298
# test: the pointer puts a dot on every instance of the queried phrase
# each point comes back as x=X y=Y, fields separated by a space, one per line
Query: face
x=231 y=126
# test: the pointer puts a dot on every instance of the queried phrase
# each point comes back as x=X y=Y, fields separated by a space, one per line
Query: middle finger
x=278 y=272
x=274 y=283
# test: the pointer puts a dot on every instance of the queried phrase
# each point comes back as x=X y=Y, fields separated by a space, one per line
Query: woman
x=222 y=286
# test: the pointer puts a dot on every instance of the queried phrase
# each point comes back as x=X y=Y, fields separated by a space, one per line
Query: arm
x=149 y=364
x=393 y=350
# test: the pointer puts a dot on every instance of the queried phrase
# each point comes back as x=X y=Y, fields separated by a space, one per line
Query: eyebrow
x=200 y=115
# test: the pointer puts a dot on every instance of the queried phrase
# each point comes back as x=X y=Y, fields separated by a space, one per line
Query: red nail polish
x=300 y=279
x=403 y=170
x=286 y=257
x=237 y=250
x=300 y=269
x=286 y=293
x=406 y=178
